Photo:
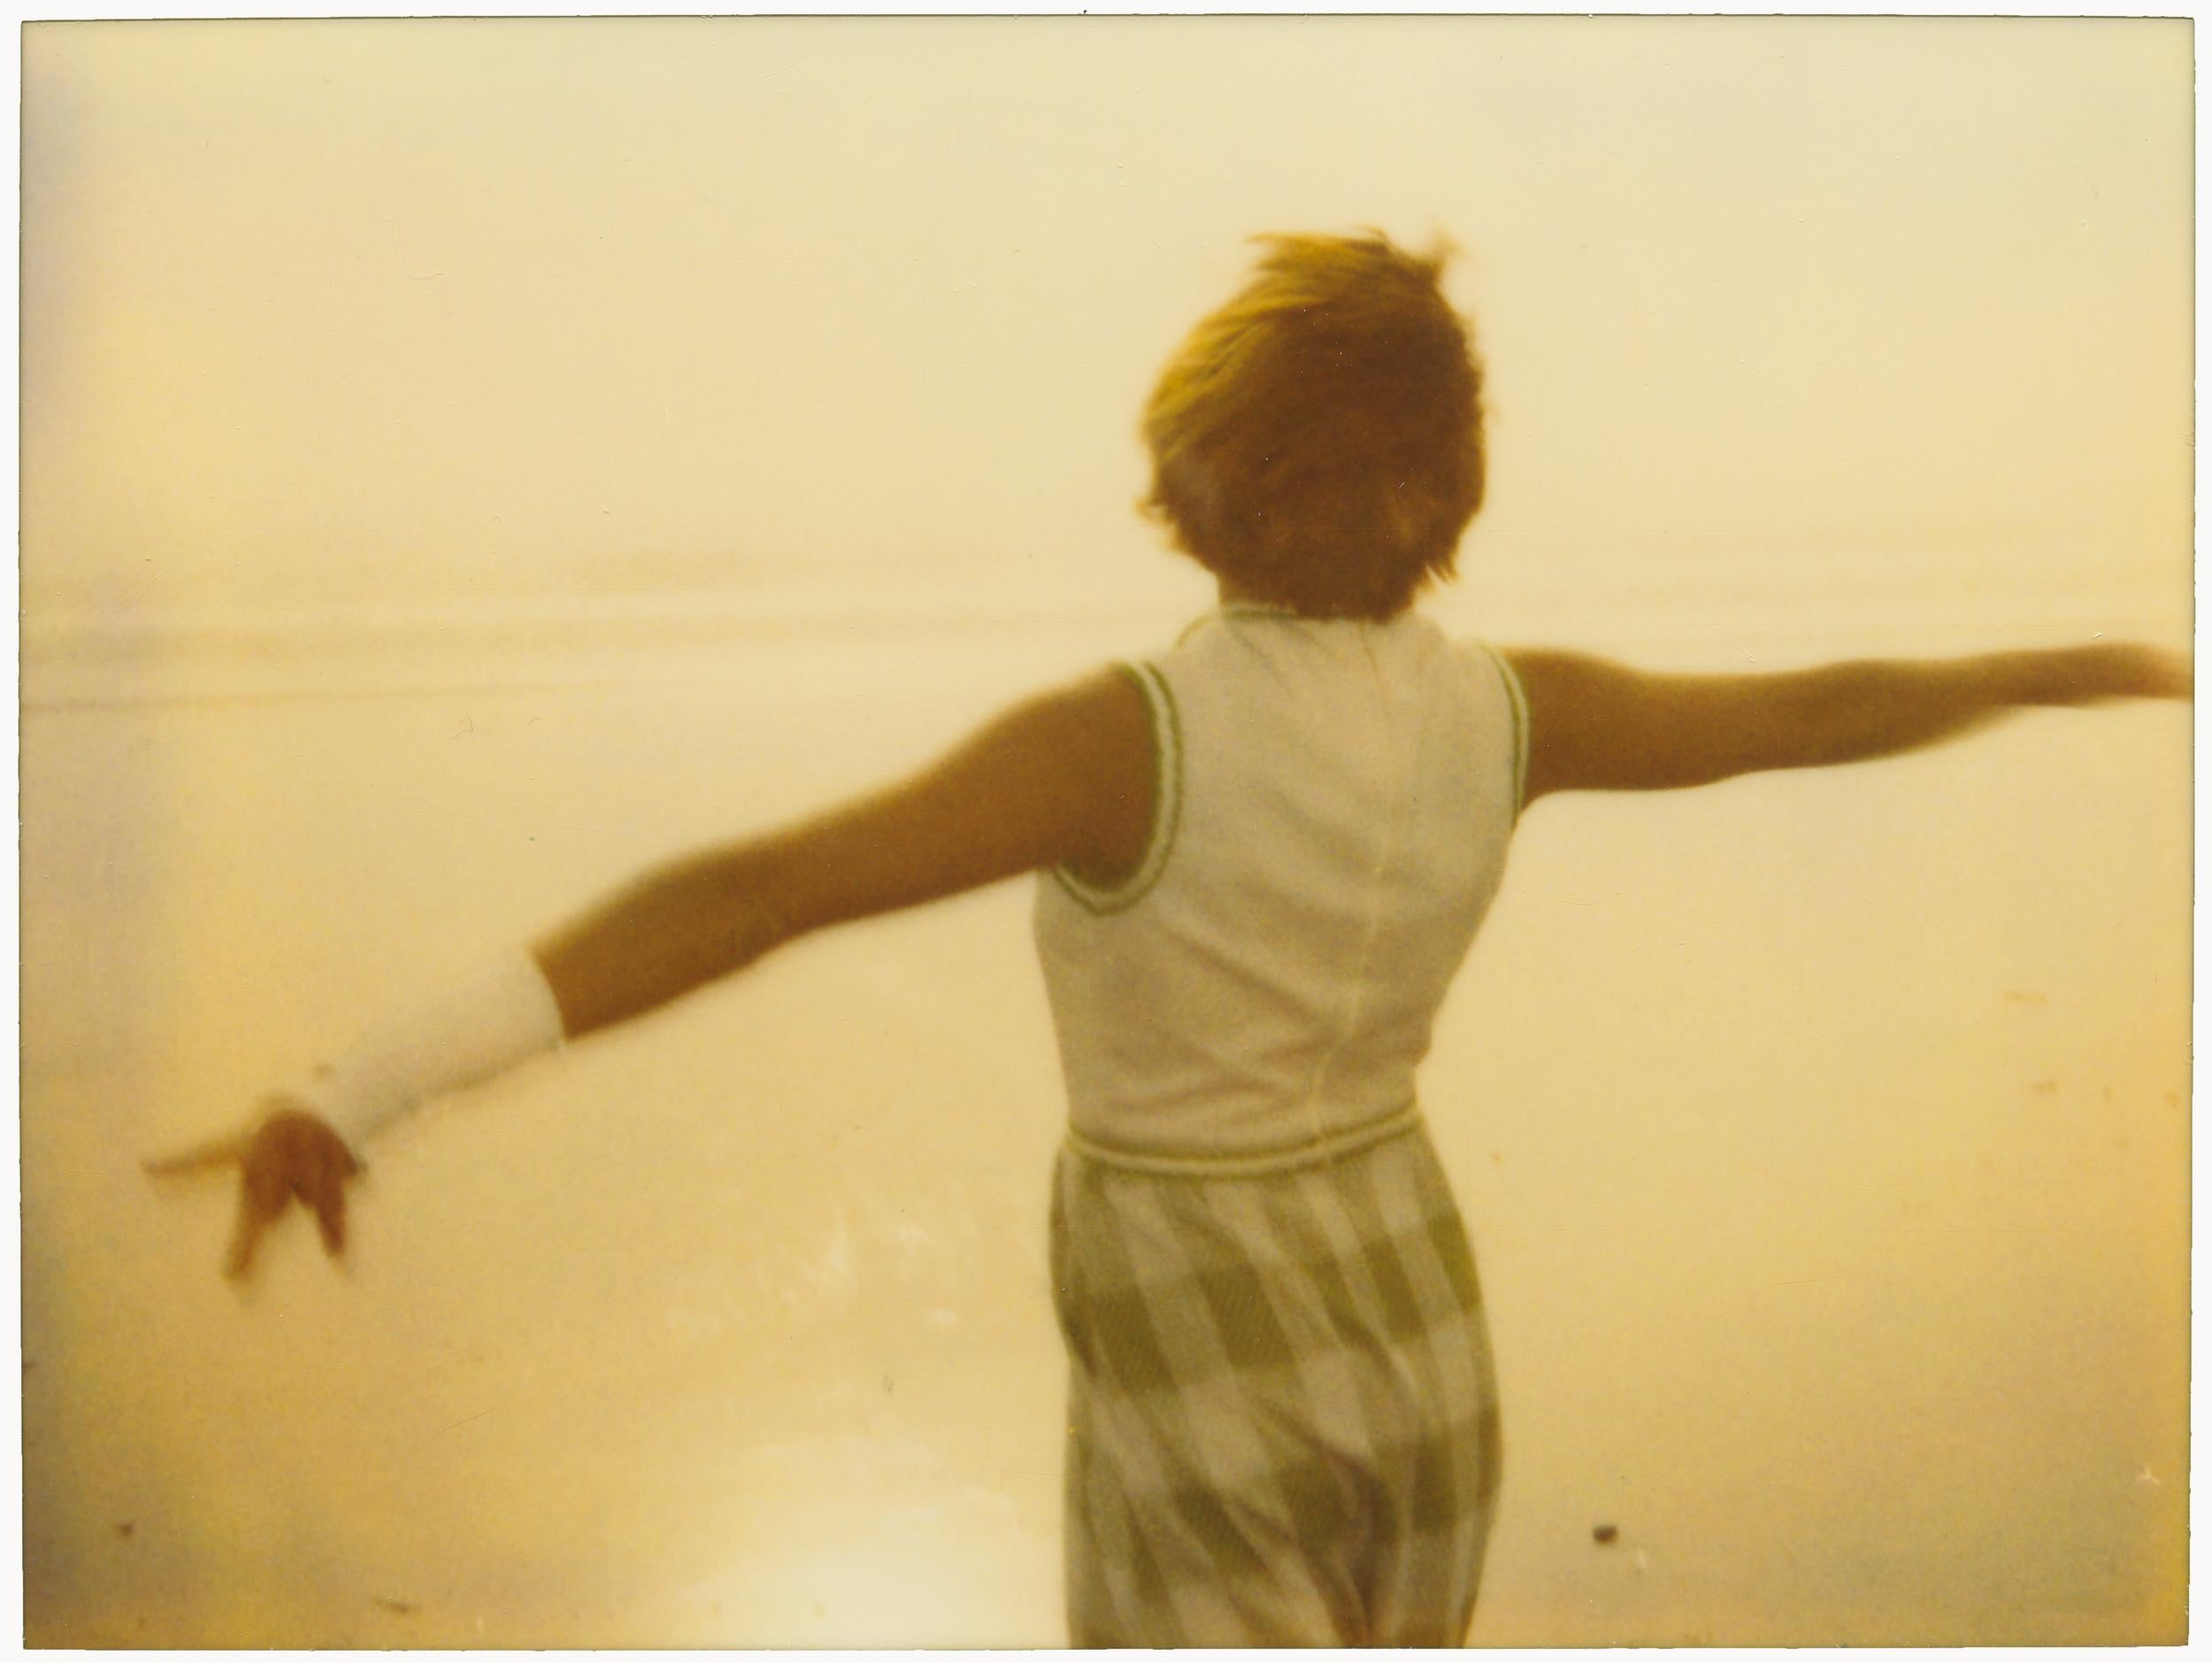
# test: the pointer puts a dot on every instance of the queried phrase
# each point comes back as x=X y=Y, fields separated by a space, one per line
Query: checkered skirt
x=1282 y=1418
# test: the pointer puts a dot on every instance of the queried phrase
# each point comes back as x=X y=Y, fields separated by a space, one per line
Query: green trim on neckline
x=1278 y=614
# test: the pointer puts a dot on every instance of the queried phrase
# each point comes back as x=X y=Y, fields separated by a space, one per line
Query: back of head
x=1318 y=440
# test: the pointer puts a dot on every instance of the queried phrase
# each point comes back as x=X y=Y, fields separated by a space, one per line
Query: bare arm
x=1065 y=778
x=1597 y=726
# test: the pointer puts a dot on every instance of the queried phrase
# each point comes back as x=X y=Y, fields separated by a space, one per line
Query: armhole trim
x=1518 y=702
x=1167 y=802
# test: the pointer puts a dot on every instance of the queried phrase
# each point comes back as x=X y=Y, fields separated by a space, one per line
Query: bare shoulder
x=1096 y=734
x=1593 y=722
x=1565 y=692
x=1563 y=673
x=1103 y=716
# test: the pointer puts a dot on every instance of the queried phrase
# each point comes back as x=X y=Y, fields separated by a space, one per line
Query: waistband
x=1313 y=1152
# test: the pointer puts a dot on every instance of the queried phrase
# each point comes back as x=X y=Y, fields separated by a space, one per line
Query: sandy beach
x=1823 y=1139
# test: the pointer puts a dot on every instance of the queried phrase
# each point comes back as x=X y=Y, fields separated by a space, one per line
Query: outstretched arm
x=1597 y=726
x=1065 y=778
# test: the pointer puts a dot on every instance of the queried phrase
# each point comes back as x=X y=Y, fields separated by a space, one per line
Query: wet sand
x=1824 y=1139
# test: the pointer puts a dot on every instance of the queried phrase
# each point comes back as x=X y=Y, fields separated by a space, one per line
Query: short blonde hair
x=1318 y=440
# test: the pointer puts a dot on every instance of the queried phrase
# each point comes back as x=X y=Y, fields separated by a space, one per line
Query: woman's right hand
x=288 y=1152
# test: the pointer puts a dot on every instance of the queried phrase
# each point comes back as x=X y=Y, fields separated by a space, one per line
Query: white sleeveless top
x=1333 y=801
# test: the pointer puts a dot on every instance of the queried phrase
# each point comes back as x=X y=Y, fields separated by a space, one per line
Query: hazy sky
x=324 y=312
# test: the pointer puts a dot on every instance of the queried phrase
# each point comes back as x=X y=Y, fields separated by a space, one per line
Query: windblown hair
x=1318 y=440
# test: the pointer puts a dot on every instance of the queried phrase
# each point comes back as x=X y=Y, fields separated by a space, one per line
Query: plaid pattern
x=1283 y=1423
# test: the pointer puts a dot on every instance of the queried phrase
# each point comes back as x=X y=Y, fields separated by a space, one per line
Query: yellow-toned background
x=465 y=461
